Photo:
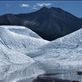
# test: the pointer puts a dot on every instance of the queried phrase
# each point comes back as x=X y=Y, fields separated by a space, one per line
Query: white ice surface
x=24 y=55
x=20 y=42
x=14 y=64
x=61 y=55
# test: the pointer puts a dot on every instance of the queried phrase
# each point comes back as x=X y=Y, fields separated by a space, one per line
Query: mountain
x=9 y=19
x=81 y=20
x=49 y=23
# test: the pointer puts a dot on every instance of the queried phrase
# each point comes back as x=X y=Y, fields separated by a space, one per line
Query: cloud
x=24 y=5
x=39 y=5
x=43 y=4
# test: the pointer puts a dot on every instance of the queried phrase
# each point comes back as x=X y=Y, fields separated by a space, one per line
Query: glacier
x=24 y=55
x=63 y=55
x=20 y=42
x=14 y=64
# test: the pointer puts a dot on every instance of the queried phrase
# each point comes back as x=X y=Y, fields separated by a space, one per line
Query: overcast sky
x=74 y=7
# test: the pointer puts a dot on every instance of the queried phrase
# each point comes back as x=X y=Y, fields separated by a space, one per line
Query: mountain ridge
x=49 y=23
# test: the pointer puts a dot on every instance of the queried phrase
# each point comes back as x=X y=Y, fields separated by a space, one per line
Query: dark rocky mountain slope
x=49 y=23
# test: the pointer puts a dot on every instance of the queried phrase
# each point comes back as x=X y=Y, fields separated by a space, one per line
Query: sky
x=15 y=7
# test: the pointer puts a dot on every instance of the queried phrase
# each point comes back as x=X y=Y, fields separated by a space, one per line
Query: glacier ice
x=66 y=48
x=24 y=55
x=21 y=30
x=14 y=64
x=63 y=55
x=20 y=42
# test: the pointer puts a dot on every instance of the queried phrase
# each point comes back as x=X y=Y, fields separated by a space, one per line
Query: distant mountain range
x=49 y=23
